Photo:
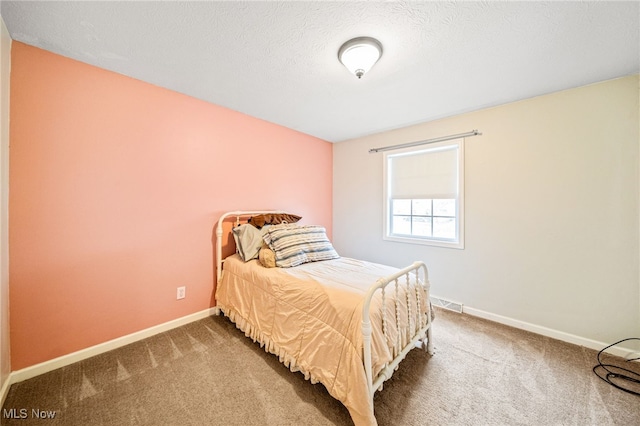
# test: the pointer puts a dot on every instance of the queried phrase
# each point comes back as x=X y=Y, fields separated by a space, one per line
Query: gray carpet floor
x=209 y=373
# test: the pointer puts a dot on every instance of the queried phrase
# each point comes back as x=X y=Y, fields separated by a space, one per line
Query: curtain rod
x=427 y=141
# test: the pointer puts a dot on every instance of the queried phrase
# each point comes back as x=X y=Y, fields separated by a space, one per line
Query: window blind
x=430 y=174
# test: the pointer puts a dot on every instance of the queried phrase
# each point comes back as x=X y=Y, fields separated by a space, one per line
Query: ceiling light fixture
x=358 y=55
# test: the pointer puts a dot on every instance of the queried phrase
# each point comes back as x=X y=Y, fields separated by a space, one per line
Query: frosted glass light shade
x=358 y=55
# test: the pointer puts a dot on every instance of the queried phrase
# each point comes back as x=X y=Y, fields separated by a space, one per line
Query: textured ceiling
x=278 y=60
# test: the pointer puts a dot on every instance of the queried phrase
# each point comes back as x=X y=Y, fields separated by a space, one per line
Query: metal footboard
x=418 y=317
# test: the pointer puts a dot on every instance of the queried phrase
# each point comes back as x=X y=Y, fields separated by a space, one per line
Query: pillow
x=273 y=219
x=266 y=256
x=248 y=240
x=297 y=244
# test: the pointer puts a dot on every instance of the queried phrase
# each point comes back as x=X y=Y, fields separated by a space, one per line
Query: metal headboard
x=219 y=231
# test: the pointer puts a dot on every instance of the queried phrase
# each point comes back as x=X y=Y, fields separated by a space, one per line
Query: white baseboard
x=5 y=390
x=53 y=364
x=549 y=332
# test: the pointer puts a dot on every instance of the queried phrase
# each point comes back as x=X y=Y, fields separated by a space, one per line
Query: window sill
x=425 y=242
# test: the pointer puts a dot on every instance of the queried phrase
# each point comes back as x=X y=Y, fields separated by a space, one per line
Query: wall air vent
x=446 y=304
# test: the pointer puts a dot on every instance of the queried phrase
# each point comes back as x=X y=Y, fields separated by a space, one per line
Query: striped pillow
x=298 y=244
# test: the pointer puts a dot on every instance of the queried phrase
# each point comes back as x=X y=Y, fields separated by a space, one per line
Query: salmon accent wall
x=115 y=189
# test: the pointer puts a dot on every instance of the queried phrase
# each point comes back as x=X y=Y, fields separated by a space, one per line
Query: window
x=424 y=195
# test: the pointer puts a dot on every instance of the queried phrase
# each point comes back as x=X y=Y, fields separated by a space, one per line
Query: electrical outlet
x=181 y=292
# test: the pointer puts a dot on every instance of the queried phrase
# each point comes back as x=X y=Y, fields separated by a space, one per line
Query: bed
x=345 y=323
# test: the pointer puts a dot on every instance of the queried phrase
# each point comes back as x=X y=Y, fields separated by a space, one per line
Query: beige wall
x=5 y=61
x=551 y=216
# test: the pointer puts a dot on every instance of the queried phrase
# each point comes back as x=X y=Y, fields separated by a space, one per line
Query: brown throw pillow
x=273 y=219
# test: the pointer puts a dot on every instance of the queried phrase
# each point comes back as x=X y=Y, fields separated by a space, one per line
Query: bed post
x=429 y=346
x=366 y=340
x=428 y=335
x=219 y=247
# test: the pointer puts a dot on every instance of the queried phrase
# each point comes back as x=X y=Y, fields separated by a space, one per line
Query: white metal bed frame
x=419 y=324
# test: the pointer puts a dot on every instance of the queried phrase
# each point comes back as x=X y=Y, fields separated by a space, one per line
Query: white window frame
x=457 y=243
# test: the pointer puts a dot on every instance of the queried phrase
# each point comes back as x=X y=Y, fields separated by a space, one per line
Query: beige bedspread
x=310 y=316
